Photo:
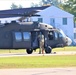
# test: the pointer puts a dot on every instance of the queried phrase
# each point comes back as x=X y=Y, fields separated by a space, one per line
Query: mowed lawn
x=70 y=48
x=38 y=61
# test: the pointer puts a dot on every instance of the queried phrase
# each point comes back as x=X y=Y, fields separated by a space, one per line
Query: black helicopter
x=23 y=34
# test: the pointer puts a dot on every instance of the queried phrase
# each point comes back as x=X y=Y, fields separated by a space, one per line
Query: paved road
x=36 y=54
x=39 y=71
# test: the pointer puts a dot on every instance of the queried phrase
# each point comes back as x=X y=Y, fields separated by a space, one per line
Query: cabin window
x=64 y=21
x=40 y=20
x=18 y=36
x=26 y=36
x=74 y=35
x=50 y=35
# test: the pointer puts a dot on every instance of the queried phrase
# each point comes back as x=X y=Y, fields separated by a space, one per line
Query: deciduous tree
x=14 y=6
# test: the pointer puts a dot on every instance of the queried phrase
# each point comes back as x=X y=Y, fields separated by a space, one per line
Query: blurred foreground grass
x=38 y=61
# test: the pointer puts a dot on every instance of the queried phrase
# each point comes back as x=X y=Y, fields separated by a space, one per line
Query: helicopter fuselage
x=24 y=35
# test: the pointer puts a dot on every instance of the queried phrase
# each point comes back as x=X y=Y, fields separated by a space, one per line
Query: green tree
x=34 y=5
x=14 y=6
x=50 y=2
x=69 y=6
x=20 y=6
x=46 y=2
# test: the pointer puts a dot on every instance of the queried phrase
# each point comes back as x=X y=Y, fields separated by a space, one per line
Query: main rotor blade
x=25 y=14
x=21 y=12
x=17 y=15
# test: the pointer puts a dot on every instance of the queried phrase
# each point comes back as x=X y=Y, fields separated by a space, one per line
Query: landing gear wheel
x=29 y=51
x=48 y=49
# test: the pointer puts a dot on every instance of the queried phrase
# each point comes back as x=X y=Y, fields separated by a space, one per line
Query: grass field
x=70 y=48
x=38 y=61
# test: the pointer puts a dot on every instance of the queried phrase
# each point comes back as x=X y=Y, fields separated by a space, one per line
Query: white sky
x=5 y=4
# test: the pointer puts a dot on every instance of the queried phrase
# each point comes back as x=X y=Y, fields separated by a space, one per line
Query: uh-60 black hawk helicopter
x=24 y=34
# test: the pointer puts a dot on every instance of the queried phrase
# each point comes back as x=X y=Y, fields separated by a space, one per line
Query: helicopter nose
x=69 y=41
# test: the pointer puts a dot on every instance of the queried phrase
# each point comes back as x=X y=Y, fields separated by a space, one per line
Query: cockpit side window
x=51 y=35
x=56 y=35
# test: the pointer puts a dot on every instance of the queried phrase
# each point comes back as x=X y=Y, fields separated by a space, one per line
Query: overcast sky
x=5 y=4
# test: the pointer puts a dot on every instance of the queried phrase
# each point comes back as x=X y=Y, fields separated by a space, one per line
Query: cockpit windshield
x=61 y=33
